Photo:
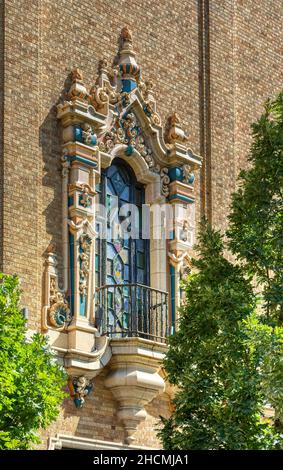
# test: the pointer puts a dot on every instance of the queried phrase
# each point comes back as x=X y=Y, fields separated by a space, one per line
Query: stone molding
x=62 y=441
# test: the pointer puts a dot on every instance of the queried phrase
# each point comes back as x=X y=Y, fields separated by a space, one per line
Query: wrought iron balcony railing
x=127 y=310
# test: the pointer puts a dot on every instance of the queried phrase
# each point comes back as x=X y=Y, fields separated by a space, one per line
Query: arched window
x=122 y=260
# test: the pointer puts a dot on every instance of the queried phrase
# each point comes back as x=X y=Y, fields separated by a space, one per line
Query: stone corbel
x=79 y=388
x=176 y=260
x=134 y=379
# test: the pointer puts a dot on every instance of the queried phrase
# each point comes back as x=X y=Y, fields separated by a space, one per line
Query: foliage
x=256 y=219
x=31 y=380
x=218 y=359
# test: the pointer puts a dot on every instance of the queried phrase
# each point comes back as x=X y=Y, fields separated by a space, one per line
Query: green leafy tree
x=218 y=359
x=31 y=380
x=256 y=219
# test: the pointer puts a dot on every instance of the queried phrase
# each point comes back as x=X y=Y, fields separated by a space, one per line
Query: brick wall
x=215 y=62
x=97 y=419
x=1 y=127
x=245 y=69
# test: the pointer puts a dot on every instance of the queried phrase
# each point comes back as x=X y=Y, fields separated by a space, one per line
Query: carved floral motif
x=88 y=135
x=84 y=258
x=146 y=89
x=59 y=312
x=165 y=180
x=127 y=131
x=85 y=199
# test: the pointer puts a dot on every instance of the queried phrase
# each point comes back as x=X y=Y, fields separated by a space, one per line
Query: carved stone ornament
x=79 y=388
x=56 y=311
x=77 y=89
x=117 y=118
x=188 y=176
x=59 y=312
x=126 y=35
x=175 y=132
x=85 y=244
x=184 y=231
x=85 y=199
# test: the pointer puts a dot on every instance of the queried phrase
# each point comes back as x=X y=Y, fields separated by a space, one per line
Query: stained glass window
x=121 y=260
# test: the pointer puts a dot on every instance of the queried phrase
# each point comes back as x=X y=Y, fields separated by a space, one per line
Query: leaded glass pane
x=121 y=260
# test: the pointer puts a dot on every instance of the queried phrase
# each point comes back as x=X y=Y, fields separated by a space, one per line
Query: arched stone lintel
x=141 y=169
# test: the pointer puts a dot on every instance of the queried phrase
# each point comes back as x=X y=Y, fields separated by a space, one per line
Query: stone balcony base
x=134 y=378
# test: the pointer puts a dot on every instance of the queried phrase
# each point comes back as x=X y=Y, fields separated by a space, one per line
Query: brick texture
x=97 y=419
x=214 y=62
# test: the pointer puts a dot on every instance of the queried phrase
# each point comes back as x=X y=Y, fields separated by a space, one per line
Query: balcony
x=132 y=310
x=135 y=318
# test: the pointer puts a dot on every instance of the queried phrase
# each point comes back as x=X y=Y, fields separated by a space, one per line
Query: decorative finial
x=51 y=248
x=126 y=35
x=77 y=89
x=174 y=119
x=77 y=75
x=175 y=132
x=103 y=66
x=128 y=68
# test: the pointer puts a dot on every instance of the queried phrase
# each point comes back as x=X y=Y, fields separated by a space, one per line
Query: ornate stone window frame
x=116 y=118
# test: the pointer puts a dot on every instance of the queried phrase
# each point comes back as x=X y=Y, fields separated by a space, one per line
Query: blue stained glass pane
x=140 y=260
x=126 y=291
x=140 y=276
x=138 y=292
x=111 y=170
x=118 y=302
x=118 y=269
x=110 y=280
x=126 y=273
x=111 y=252
x=110 y=300
x=126 y=241
x=140 y=245
x=125 y=194
x=110 y=267
x=111 y=318
x=110 y=188
x=97 y=262
x=124 y=256
x=118 y=182
x=125 y=320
